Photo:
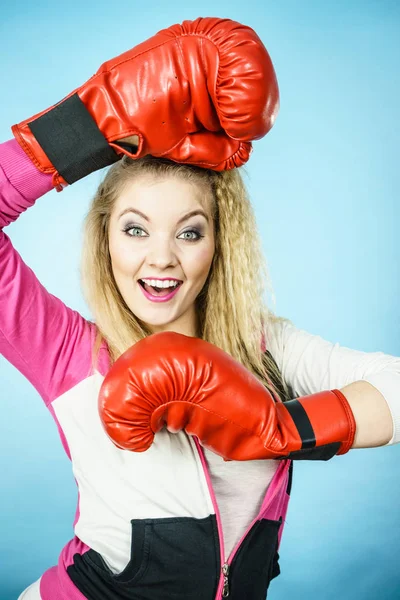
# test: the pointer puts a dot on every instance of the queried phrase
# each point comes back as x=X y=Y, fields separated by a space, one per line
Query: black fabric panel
x=70 y=138
x=276 y=570
x=256 y=563
x=175 y=558
x=302 y=422
x=290 y=480
x=321 y=453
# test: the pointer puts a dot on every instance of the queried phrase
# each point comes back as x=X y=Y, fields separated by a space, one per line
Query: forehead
x=167 y=192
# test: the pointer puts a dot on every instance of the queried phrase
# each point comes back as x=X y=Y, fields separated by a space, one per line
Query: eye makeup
x=196 y=230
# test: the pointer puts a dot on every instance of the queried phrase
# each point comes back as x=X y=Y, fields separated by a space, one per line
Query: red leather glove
x=195 y=93
x=187 y=383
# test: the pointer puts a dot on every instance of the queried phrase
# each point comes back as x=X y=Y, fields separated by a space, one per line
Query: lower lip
x=159 y=298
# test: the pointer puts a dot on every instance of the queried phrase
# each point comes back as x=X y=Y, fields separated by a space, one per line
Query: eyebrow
x=192 y=213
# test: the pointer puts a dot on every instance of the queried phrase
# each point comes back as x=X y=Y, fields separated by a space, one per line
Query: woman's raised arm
x=43 y=338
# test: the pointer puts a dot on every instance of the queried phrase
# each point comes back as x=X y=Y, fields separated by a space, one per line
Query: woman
x=147 y=524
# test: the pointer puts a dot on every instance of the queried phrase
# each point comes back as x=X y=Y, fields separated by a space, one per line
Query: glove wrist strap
x=324 y=422
x=72 y=141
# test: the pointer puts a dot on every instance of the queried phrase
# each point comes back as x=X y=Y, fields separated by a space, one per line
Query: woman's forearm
x=374 y=423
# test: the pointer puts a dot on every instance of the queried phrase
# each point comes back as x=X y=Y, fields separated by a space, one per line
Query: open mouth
x=158 y=291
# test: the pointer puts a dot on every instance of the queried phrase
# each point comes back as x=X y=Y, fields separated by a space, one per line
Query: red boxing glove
x=195 y=93
x=187 y=383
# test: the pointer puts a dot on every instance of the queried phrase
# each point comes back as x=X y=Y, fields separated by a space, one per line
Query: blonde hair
x=230 y=308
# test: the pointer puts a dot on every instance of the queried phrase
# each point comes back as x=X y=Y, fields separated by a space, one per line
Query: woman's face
x=152 y=236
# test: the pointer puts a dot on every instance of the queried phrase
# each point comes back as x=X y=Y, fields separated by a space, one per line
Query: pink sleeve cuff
x=22 y=173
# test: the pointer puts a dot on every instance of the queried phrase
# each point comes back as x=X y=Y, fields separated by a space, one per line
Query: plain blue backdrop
x=325 y=186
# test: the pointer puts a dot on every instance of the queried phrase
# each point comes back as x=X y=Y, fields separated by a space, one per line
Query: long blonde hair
x=231 y=310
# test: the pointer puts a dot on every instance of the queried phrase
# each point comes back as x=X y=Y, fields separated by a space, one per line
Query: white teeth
x=161 y=284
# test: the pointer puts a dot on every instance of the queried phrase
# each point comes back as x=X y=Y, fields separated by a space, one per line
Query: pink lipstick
x=153 y=298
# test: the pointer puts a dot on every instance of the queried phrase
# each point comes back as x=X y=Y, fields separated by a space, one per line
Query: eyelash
x=129 y=227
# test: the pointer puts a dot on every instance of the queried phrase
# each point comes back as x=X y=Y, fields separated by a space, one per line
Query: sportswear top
x=175 y=484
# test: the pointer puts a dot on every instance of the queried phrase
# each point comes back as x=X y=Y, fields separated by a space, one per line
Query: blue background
x=325 y=186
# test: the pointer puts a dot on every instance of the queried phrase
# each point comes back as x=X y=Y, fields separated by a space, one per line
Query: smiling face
x=162 y=229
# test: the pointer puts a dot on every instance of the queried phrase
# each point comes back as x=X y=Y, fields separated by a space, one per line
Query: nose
x=161 y=254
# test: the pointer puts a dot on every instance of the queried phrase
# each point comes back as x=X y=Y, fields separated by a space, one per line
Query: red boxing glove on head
x=195 y=93
x=187 y=383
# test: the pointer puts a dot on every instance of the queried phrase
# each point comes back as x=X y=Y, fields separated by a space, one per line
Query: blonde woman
x=176 y=520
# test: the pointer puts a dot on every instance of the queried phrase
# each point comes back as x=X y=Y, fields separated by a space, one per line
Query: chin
x=155 y=321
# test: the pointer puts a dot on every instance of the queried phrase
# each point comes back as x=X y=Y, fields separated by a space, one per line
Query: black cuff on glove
x=72 y=141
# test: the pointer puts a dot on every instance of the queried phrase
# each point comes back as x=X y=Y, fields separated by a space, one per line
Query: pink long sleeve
x=49 y=343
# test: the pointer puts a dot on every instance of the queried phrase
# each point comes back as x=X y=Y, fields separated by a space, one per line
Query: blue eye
x=197 y=233
x=131 y=227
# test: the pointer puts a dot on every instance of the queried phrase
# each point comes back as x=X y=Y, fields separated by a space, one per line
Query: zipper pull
x=225 y=572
